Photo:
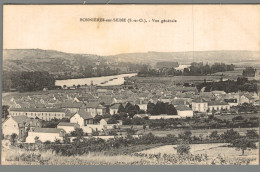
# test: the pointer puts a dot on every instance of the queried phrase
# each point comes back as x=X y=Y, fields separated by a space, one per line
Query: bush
x=230 y=135
x=252 y=134
x=243 y=144
x=13 y=138
x=183 y=148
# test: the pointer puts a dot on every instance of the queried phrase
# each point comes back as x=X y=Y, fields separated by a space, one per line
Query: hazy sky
x=198 y=28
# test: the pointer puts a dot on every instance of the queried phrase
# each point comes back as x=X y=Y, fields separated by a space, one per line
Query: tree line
x=241 y=84
x=27 y=81
x=196 y=69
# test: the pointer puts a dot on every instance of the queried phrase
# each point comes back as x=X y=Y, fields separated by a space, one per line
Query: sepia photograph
x=130 y=85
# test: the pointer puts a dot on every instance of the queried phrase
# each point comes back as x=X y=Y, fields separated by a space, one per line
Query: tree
x=66 y=139
x=144 y=127
x=171 y=110
x=186 y=135
x=5 y=112
x=121 y=108
x=183 y=148
x=36 y=139
x=78 y=133
x=13 y=138
x=150 y=108
x=97 y=119
x=252 y=134
x=214 y=135
x=112 y=120
x=95 y=132
x=243 y=144
x=230 y=135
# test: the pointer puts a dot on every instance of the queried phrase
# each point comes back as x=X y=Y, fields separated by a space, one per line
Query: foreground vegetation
x=130 y=150
x=16 y=156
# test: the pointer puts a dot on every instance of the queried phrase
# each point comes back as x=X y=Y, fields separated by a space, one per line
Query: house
x=257 y=103
x=86 y=121
x=40 y=113
x=95 y=108
x=231 y=102
x=103 y=121
x=142 y=104
x=218 y=106
x=246 y=98
x=199 y=105
x=114 y=108
x=68 y=127
x=82 y=117
x=45 y=134
x=19 y=125
x=218 y=93
x=73 y=107
x=184 y=111
x=178 y=102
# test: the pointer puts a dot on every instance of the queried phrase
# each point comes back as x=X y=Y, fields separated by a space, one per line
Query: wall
x=43 y=137
x=187 y=113
x=9 y=127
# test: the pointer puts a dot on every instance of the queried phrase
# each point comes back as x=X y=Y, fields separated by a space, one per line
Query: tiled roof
x=215 y=103
x=67 y=124
x=115 y=106
x=84 y=114
x=182 y=108
x=36 y=110
x=71 y=104
x=199 y=100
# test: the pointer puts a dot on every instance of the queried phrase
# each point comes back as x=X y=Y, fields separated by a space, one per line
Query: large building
x=199 y=105
x=218 y=106
x=39 y=113
x=19 y=125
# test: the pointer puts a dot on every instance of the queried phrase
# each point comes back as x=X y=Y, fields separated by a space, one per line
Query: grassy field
x=212 y=150
x=204 y=132
x=201 y=154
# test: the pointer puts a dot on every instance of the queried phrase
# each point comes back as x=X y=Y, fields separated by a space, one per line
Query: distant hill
x=235 y=57
x=56 y=61
x=167 y=64
x=46 y=60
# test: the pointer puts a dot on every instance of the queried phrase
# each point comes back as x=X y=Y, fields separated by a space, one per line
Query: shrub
x=183 y=148
x=230 y=135
x=13 y=138
x=252 y=134
x=186 y=135
x=214 y=135
x=243 y=144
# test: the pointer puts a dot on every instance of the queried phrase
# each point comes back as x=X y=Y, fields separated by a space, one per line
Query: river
x=100 y=81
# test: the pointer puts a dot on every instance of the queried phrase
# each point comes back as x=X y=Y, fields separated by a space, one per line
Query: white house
x=85 y=121
x=45 y=134
x=199 y=105
x=218 y=106
x=184 y=111
x=19 y=125
x=68 y=127
x=114 y=109
x=246 y=99
x=82 y=117
x=95 y=108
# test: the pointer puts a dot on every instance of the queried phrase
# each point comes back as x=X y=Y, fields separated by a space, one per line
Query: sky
x=198 y=28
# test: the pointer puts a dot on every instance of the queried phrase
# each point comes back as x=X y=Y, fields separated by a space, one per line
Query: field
x=206 y=132
x=201 y=154
x=212 y=150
